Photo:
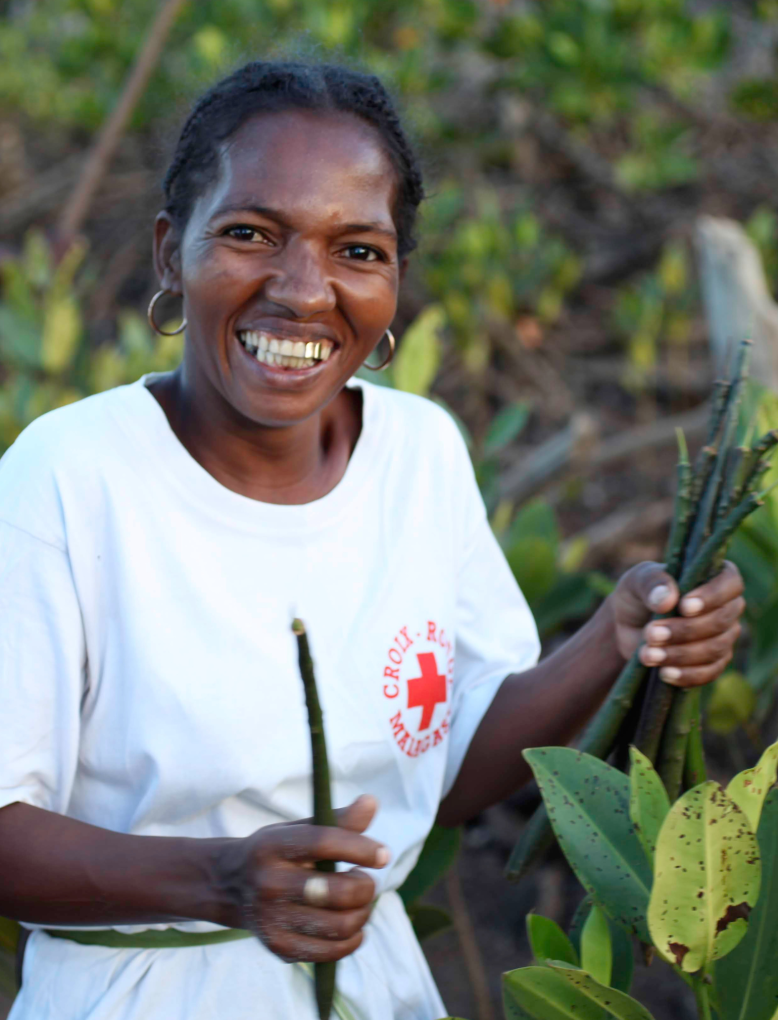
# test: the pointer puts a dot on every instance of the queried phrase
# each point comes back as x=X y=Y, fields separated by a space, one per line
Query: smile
x=285 y=353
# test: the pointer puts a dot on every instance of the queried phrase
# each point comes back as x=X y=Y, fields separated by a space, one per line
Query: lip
x=285 y=378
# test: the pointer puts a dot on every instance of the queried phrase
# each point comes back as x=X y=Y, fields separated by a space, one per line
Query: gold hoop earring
x=387 y=361
x=150 y=316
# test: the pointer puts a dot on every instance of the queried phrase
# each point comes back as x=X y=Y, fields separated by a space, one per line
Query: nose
x=301 y=282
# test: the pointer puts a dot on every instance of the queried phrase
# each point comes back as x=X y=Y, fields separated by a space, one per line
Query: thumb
x=648 y=587
x=358 y=815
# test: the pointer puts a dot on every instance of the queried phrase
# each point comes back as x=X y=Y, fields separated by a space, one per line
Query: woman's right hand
x=276 y=863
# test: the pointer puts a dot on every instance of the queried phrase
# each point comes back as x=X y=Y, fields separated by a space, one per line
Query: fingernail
x=382 y=857
x=670 y=674
x=653 y=656
x=692 y=606
x=658 y=595
x=658 y=634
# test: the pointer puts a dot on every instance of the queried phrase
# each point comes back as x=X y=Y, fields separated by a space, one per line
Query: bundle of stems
x=323 y=814
x=713 y=498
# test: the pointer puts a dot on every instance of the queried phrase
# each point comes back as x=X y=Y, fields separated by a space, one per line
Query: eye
x=242 y=232
x=363 y=253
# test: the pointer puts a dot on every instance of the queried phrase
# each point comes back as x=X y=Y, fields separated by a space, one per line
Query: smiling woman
x=155 y=542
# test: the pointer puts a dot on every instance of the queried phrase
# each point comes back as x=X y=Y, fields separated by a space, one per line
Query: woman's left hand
x=691 y=649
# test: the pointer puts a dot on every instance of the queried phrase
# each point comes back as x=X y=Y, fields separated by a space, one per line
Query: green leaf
x=7 y=974
x=588 y=804
x=747 y=979
x=623 y=958
x=437 y=855
x=596 y=947
x=427 y=920
x=533 y=562
x=559 y=992
x=706 y=879
x=506 y=426
x=648 y=802
x=61 y=334
x=418 y=358
x=749 y=788
x=623 y=955
x=548 y=941
x=9 y=934
x=578 y=922
x=571 y=597
x=731 y=703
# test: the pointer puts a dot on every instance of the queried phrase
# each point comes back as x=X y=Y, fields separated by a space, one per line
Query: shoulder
x=425 y=424
x=68 y=446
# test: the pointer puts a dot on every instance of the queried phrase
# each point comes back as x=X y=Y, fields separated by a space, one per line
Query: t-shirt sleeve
x=496 y=633
x=42 y=670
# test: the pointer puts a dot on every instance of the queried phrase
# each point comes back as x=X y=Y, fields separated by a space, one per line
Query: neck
x=292 y=464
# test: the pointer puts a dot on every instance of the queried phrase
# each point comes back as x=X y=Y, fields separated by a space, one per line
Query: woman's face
x=288 y=264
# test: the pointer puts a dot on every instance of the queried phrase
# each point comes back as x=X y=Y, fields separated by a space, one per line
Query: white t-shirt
x=149 y=682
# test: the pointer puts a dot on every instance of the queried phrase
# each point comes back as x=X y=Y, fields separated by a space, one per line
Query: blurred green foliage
x=47 y=359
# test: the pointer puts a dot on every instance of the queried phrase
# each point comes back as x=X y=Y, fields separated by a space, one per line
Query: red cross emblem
x=428 y=690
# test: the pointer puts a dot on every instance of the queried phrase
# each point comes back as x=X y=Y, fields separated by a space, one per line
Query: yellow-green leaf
x=648 y=801
x=61 y=334
x=749 y=788
x=731 y=703
x=706 y=879
x=596 y=946
x=419 y=355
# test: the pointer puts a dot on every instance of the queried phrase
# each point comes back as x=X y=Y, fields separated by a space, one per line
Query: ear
x=403 y=268
x=167 y=253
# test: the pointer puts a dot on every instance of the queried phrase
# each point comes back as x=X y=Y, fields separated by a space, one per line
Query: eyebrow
x=274 y=214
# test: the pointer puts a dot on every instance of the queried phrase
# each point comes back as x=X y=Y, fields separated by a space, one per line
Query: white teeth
x=285 y=353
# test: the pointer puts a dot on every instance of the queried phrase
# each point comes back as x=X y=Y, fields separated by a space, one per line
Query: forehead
x=306 y=163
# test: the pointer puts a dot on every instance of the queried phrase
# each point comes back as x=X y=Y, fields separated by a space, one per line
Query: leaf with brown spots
x=588 y=804
x=706 y=880
x=748 y=789
x=561 y=992
x=747 y=979
x=648 y=801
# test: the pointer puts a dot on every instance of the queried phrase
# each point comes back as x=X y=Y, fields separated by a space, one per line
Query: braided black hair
x=264 y=86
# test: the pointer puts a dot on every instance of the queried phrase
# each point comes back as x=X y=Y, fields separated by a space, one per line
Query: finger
x=357 y=816
x=695 y=653
x=346 y=890
x=653 y=588
x=681 y=630
x=300 y=843
x=693 y=676
x=723 y=588
x=333 y=925
x=293 y=947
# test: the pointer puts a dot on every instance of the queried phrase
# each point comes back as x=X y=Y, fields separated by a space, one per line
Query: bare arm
x=552 y=702
x=57 y=871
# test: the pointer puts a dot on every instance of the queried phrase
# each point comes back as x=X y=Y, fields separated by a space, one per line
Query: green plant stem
x=695 y=771
x=705 y=517
x=696 y=572
x=702 y=998
x=323 y=814
x=675 y=741
x=659 y=699
x=682 y=516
